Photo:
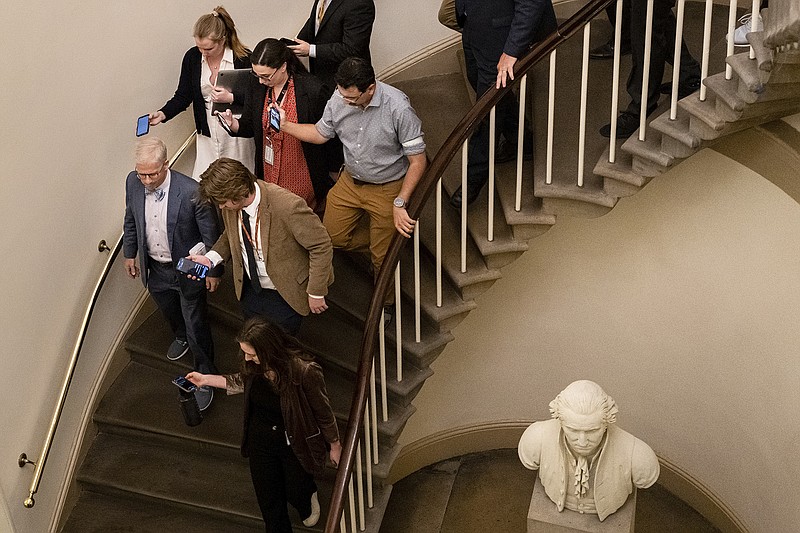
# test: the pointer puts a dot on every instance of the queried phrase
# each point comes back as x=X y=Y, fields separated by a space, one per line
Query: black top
x=188 y=91
x=265 y=408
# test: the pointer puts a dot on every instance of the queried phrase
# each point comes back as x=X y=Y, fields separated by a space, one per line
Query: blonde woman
x=217 y=48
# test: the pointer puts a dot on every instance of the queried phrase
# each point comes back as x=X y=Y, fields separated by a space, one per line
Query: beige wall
x=683 y=303
x=77 y=77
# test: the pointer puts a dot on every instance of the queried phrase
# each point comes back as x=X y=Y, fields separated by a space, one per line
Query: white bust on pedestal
x=585 y=462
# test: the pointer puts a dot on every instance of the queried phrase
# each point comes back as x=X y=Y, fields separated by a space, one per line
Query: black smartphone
x=274 y=119
x=189 y=267
x=184 y=384
x=142 y=125
x=224 y=124
x=288 y=42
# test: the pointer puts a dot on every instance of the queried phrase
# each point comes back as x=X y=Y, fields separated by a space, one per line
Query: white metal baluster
x=612 y=142
x=731 y=30
x=368 y=456
x=706 y=48
x=492 y=137
x=417 y=303
x=464 y=154
x=551 y=106
x=352 y=505
x=584 y=92
x=648 y=44
x=382 y=339
x=523 y=90
x=374 y=413
x=343 y=523
x=398 y=346
x=676 y=61
x=360 y=485
x=439 y=243
x=754 y=23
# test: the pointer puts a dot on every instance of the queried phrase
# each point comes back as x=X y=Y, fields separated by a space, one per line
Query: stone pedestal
x=543 y=517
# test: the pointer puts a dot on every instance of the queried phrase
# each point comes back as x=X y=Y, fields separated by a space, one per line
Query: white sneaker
x=313 y=518
x=740 y=33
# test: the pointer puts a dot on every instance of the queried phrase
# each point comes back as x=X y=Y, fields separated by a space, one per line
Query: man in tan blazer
x=281 y=251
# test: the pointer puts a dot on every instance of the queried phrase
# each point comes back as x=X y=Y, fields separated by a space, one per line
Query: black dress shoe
x=627 y=123
x=684 y=90
x=606 y=50
x=472 y=195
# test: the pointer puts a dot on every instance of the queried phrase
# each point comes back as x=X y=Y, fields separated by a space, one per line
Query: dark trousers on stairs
x=278 y=478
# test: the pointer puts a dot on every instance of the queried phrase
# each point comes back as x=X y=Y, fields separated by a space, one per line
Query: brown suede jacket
x=307 y=414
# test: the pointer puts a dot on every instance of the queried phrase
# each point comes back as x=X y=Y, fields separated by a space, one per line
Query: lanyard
x=279 y=101
x=253 y=240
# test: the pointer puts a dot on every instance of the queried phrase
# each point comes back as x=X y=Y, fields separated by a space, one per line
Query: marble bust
x=586 y=463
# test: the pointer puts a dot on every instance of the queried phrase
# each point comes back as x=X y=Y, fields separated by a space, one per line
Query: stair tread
x=96 y=512
x=677 y=129
x=620 y=169
x=649 y=149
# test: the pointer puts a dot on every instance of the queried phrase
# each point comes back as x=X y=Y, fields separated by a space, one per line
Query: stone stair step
x=763 y=54
x=503 y=248
x=343 y=350
x=648 y=151
x=746 y=70
x=478 y=276
x=564 y=197
x=120 y=511
x=619 y=178
x=704 y=122
x=530 y=221
x=729 y=105
x=453 y=310
x=676 y=139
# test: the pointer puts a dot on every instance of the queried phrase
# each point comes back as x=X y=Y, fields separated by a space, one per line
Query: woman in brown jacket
x=288 y=422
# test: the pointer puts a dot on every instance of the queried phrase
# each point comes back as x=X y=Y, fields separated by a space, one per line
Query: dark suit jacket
x=188 y=91
x=188 y=221
x=311 y=97
x=344 y=32
x=298 y=249
x=307 y=415
x=506 y=26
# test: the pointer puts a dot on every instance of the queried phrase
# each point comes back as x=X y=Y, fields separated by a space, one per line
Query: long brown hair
x=218 y=26
x=275 y=350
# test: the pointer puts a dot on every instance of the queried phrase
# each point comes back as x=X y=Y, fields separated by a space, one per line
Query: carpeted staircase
x=148 y=472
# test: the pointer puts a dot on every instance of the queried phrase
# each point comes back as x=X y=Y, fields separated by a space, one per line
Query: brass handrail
x=87 y=316
x=425 y=187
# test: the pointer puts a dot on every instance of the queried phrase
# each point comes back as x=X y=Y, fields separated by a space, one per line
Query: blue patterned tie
x=158 y=192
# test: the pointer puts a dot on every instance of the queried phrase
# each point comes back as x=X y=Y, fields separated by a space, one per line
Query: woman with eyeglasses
x=279 y=78
x=288 y=422
x=217 y=48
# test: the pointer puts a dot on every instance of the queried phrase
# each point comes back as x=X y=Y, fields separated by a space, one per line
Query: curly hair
x=584 y=397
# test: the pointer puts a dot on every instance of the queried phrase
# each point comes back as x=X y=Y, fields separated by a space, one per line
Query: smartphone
x=288 y=42
x=187 y=266
x=184 y=384
x=274 y=119
x=224 y=124
x=142 y=125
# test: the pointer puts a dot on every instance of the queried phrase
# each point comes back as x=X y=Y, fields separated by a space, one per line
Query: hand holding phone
x=224 y=123
x=142 y=125
x=275 y=119
x=190 y=268
x=184 y=384
x=288 y=42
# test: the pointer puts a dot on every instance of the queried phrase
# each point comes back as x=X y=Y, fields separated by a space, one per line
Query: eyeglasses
x=149 y=175
x=264 y=77
x=351 y=99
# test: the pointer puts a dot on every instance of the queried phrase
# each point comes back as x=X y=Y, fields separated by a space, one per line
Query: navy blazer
x=344 y=32
x=188 y=91
x=310 y=96
x=188 y=221
x=507 y=26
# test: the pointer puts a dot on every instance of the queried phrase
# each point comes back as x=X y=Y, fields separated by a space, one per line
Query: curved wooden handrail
x=76 y=350
x=426 y=186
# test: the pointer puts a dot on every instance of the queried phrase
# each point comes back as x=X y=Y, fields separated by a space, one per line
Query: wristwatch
x=399 y=202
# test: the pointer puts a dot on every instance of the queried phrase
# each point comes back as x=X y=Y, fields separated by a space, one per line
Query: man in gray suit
x=163 y=223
